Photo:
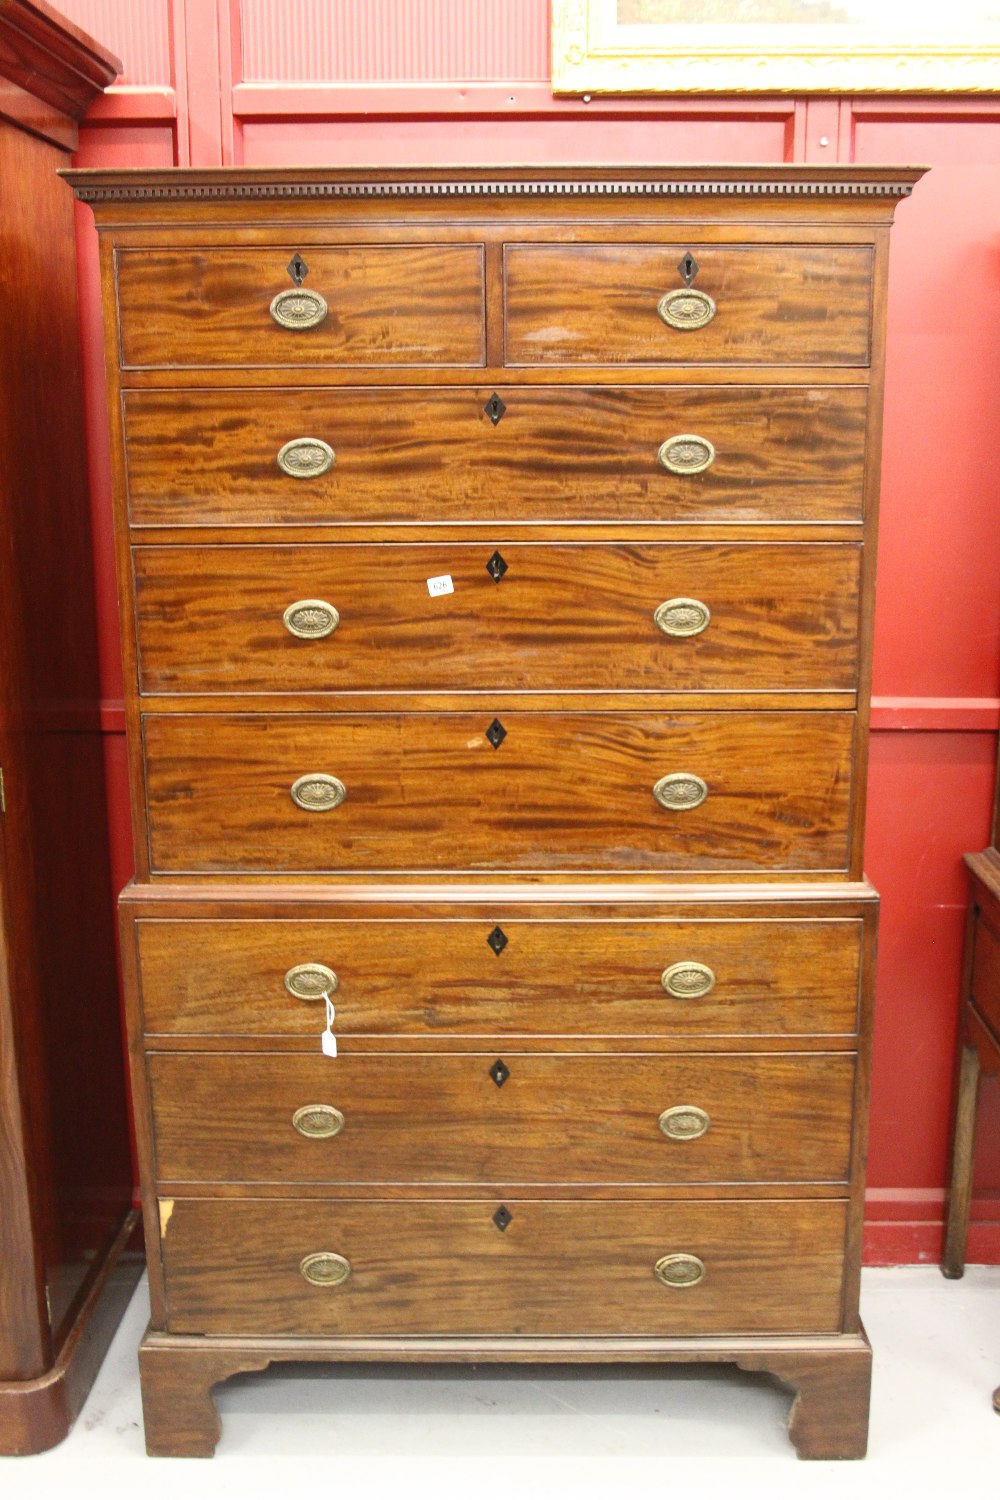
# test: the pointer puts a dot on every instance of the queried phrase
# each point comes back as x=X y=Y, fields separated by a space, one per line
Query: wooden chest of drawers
x=496 y=555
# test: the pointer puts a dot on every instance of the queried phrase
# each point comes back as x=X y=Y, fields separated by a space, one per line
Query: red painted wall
x=391 y=81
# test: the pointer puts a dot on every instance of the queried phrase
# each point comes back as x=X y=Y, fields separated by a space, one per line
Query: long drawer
x=357 y=305
x=578 y=616
x=593 y=304
x=427 y=978
x=533 y=790
x=318 y=456
x=501 y=1117
x=240 y=1267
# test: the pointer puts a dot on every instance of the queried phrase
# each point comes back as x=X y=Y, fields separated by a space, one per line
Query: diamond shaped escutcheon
x=494 y=408
x=498 y=940
x=499 y=1072
x=496 y=567
x=297 y=269
x=688 y=267
x=496 y=734
x=502 y=1217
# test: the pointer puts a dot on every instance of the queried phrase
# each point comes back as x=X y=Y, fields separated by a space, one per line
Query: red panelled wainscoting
x=211 y=82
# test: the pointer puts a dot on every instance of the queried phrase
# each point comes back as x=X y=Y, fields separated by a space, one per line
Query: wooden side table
x=978 y=1049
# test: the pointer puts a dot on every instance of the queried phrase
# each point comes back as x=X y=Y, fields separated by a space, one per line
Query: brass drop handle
x=682 y=617
x=684 y=1122
x=680 y=791
x=686 y=309
x=688 y=980
x=325 y=1268
x=687 y=453
x=305 y=458
x=310 y=981
x=317 y=792
x=679 y=1270
x=311 y=619
x=298 y=309
x=318 y=1122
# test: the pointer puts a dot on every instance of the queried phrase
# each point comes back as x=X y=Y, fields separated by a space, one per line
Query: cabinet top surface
x=661 y=181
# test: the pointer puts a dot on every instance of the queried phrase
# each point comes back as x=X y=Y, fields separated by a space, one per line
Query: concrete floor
x=693 y=1433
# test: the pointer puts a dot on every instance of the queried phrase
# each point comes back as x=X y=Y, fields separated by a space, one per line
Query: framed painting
x=775 y=46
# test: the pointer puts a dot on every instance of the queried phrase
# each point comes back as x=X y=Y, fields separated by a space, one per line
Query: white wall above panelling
x=344 y=41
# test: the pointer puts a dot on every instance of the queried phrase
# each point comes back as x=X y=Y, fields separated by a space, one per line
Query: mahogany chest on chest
x=496 y=556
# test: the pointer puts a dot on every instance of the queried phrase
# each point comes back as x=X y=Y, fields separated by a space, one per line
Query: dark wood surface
x=200 y=458
x=65 y=1168
x=552 y=288
x=562 y=792
x=597 y=304
x=441 y=979
x=576 y=617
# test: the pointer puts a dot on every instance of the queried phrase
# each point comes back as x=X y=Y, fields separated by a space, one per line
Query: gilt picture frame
x=775 y=46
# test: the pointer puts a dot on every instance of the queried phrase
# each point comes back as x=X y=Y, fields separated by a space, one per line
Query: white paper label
x=328 y=1041
x=441 y=585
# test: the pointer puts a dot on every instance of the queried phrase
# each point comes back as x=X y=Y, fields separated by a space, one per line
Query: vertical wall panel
x=367 y=41
x=137 y=30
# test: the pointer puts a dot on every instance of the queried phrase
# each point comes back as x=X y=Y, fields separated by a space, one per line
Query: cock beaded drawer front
x=496 y=557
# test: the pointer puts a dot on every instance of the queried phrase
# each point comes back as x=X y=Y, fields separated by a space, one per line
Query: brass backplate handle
x=686 y=309
x=311 y=619
x=684 y=1122
x=298 y=309
x=680 y=791
x=305 y=458
x=318 y=1122
x=318 y=792
x=687 y=453
x=688 y=980
x=682 y=617
x=310 y=981
x=325 y=1268
x=679 y=1270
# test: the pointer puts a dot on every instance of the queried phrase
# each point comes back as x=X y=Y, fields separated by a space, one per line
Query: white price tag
x=328 y=1041
x=441 y=585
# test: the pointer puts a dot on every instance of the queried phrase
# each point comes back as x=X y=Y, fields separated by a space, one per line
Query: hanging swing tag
x=328 y=1040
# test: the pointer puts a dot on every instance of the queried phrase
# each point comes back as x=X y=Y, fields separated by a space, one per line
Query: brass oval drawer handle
x=680 y=791
x=305 y=458
x=325 y=1268
x=686 y=309
x=688 y=980
x=311 y=619
x=679 y=1270
x=298 y=309
x=310 y=981
x=318 y=1122
x=687 y=453
x=684 y=1122
x=682 y=617
x=318 y=792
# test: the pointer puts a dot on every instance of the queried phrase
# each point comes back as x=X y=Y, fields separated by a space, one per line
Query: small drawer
x=240 y=1266
x=592 y=617
x=501 y=1117
x=384 y=305
x=317 y=456
x=749 y=304
x=986 y=974
x=511 y=977
x=691 y=792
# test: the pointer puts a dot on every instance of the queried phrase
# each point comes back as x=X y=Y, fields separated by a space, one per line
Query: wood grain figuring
x=597 y=304
x=441 y=1268
x=563 y=792
x=209 y=458
x=441 y=1118
x=578 y=617
x=425 y=978
x=395 y=305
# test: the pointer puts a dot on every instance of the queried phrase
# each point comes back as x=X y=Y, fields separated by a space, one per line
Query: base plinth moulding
x=831 y=1376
